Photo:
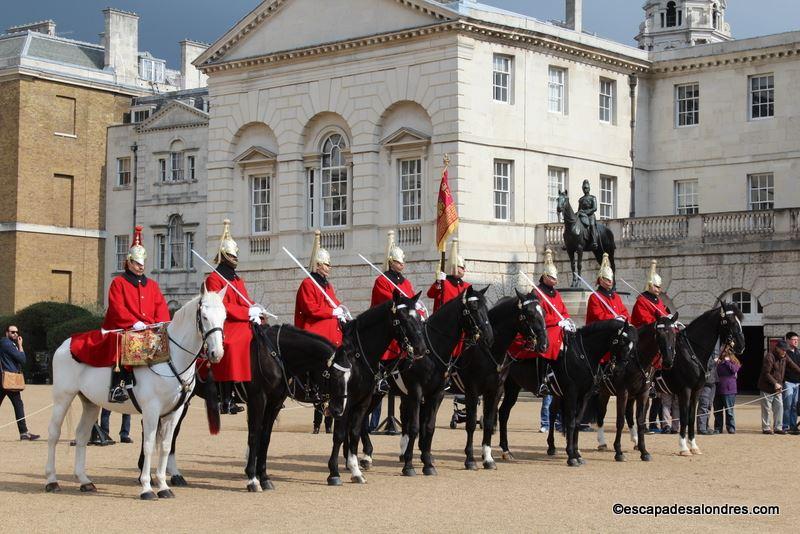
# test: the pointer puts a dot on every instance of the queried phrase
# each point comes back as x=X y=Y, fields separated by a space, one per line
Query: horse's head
x=407 y=325
x=730 y=327
x=530 y=320
x=334 y=383
x=475 y=318
x=623 y=342
x=666 y=332
x=210 y=319
x=563 y=198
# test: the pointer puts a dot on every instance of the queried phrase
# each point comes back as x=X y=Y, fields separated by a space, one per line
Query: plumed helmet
x=318 y=254
x=653 y=279
x=549 y=267
x=605 y=269
x=137 y=251
x=393 y=252
x=456 y=260
x=227 y=246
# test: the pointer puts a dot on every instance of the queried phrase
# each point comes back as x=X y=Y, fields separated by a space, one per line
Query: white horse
x=160 y=390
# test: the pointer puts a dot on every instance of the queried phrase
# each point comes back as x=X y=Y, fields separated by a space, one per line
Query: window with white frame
x=410 y=190
x=607 y=97
x=502 y=189
x=556 y=178
x=557 y=90
x=123 y=172
x=121 y=251
x=141 y=115
x=762 y=96
x=190 y=168
x=173 y=247
x=162 y=169
x=176 y=166
x=501 y=78
x=608 y=197
x=311 y=199
x=151 y=70
x=686 y=198
x=334 y=182
x=261 y=188
x=761 y=191
x=744 y=301
x=687 y=104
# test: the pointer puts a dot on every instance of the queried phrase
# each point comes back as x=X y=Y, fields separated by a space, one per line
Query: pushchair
x=460 y=412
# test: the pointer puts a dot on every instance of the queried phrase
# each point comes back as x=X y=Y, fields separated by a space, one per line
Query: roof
x=35 y=45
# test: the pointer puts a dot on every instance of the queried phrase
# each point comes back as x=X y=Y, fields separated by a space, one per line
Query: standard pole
x=135 y=149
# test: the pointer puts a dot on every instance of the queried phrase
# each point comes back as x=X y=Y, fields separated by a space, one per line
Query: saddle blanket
x=131 y=349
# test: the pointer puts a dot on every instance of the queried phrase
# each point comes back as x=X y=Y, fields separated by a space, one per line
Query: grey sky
x=165 y=22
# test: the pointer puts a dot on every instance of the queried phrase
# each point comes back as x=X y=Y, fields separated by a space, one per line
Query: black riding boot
x=117 y=393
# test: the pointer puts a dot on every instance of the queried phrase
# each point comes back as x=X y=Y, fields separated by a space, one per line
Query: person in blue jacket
x=12 y=359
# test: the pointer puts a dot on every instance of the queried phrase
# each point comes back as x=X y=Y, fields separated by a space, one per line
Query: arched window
x=749 y=306
x=672 y=14
x=334 y=186
x=172 y=247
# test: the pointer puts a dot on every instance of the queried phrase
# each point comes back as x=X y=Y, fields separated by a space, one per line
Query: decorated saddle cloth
x=130 y=348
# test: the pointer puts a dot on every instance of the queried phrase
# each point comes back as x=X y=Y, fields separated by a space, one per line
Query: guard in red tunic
x=134 y=302
x=649 y=307
x=448 y=287
x=595 y=310
x=312 y=311
x=239 y=313
x=554 y=324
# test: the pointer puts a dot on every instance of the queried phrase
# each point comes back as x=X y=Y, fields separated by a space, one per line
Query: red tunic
x=235 y=365
x=312 y=312
x=382 y=291
x=129 y=301
x=647 y=311
x=554 y=332
x=444 y=291
x=596 y=311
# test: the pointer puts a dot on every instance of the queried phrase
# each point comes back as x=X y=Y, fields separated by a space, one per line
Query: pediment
x=405 y=137
x=255 y=155
x=174 y=114
x=281 y=25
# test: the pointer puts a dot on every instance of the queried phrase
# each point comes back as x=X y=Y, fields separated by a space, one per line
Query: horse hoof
x=581 y=461
x=148 y=496
x=178 y=481
x=685 y=453
x=490 y=465
x=429 y=471
x=696 y=452
x=52 y=487
x=620 y=457
x=472 y=466
x=166 y=494
x=646 y=457
x=252 y=487
x=573 y=462
x=88 y=488
x=365 y=465
x=602 y=447
x=506 y=455
x=409 y=472
x=334 y=481
x=266 y=484
x=551 y=452
x=358 y=480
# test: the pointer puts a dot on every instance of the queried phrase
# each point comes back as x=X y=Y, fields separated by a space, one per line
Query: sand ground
x=535 y=493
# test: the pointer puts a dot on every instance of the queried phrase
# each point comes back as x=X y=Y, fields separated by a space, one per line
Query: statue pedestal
x=575 y=299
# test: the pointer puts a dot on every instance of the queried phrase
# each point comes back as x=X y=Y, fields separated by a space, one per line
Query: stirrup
x=382 y=386
x=544 y=390
x=118 y=395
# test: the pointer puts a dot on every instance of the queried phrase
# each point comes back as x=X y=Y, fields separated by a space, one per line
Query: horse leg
x=351 y=443
x=692 y=415
x=602 y=408
x=366 y=439
x=411 y=430
x=641 y=424
x=61 y=403
x=471 y=403
x=622 y=401
x=268 y=423
x=256 y=411
x=82 y=434
x=490 y=401
x=166 y=430
x=427 y=428
x=569 y=414
x=150 y=416
x=339 y=430
x=510 y=396
x=555 y=406
x=571 y=253
x=176 y=478
x=629 y=418
x=683 y=404
x=404 y=407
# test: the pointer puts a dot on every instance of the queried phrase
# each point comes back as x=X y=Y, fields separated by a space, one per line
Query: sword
x=602 y=300
x=247 y=300
x=393 y=284
x=541 y=293
x=324 y=294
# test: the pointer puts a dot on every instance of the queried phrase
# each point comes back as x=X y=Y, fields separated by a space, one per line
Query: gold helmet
x=653 y=279
x=227 y=246
x=549 y=267
x=137 y=251
x=393 y=252
x=605 y=269
x=318 y=254
x=456 y=260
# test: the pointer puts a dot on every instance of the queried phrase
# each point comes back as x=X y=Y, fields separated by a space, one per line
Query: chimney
x=191 y=76
x=47 y=27
x=121 y=43
x=574 y=20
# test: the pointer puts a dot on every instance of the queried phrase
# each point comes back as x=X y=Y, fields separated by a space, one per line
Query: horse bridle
x=530 y=336
x=472 y=323
x=400 y=332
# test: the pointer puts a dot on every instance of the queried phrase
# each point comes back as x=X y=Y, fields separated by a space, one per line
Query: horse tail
x=212 y=403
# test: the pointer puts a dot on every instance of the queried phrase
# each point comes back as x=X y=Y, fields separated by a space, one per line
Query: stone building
x=57 y=98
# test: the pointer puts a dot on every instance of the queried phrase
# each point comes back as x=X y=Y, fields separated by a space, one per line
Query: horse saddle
x=144 y=347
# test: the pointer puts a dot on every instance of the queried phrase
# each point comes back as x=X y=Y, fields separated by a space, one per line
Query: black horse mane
x=302 y=351
x=369 y=318
x=600 y=327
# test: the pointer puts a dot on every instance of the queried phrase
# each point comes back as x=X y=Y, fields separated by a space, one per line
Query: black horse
x=572 y=379
x=631 y=384
x=576 y=238
x=481 y=370
x=365 y=341
x=694 y=346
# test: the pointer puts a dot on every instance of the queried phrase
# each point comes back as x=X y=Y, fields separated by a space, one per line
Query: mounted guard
x=449 y=286
x=649 y=305
x=605 y=303
x=316 y=308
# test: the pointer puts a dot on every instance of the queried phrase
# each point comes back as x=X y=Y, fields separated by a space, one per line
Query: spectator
x=770 y=384
x=544 y=415
x=124 y=429
x=791 y=387
x=728 y=366
x=654 y=414
x=12 y=358
x=706 y=400
x=670 y=413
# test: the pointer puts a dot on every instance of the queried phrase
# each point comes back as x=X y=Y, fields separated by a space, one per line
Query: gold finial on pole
x=446 y=159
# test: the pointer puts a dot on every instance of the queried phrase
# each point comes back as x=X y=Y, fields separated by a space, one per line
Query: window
x=262 y=202
x=761 y=192
x=608 y=197
x=121 y=247
x=61 y=211
x=63 y=115
x=61 y=286
x=607 y=94
x=410 y=190
x=151 y=70
x=190 y=168
x=333 y=194
x=502 y=190
x=556 y=178
x=173 y=248
x=123 y=172
x=686 y=199
x=310 y=198
x=141 y=115
x=502 y=78
x=762 y=96
x=557 y=85
x=687 y=104
x=176 y=160
x=672 y=14
x=162 y=169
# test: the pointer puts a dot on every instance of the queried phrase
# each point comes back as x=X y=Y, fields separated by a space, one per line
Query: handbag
x=12 y=381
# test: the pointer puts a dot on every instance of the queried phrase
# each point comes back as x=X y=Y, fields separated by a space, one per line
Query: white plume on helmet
x=227 y=246
x=549 y=267
x=137 y=252
x=653 y=279
x=605 y=269
x=318 y=254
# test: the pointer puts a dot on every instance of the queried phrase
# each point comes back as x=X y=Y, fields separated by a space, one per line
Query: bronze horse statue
x=577 y=238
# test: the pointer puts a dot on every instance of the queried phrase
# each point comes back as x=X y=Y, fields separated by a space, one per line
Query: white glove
x=620 y=318
x=338 y=312
x=440 y=276
x=567 y=325
x=139 y=325
x=255 y=314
